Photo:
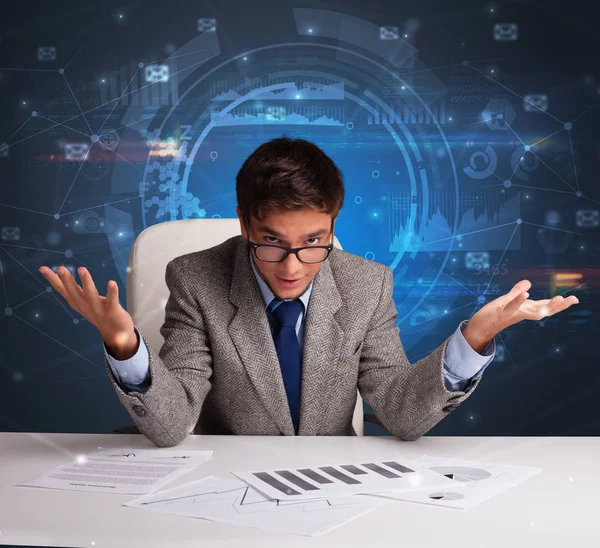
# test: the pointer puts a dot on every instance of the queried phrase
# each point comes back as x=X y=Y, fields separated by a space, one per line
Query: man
x=271 y=332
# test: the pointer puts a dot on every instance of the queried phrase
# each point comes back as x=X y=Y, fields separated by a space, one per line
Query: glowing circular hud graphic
x=349 y=98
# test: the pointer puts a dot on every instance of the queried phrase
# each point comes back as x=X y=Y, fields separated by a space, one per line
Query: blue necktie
x=288 y=351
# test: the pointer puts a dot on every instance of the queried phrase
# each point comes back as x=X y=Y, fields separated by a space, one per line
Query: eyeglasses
x=276 y=253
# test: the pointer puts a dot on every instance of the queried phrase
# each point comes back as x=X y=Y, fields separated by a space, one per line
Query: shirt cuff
x=463 y=364
x=133 y=371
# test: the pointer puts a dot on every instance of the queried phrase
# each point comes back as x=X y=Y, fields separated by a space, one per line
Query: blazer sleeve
x=408 y=399
x=179 y=374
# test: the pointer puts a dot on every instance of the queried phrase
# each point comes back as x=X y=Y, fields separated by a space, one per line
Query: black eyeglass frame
x=294 y=250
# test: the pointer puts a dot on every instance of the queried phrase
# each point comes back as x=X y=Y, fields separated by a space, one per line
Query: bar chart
x=342 y=479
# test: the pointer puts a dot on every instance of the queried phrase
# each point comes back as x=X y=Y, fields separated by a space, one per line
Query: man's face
x=301 y=228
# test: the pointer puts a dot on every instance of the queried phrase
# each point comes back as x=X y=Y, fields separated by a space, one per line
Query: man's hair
x=289 y=174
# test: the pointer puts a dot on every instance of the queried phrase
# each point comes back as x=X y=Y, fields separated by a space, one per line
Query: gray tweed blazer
x=218 y=373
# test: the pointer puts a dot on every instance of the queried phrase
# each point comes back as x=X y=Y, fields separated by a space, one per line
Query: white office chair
x=147 y=291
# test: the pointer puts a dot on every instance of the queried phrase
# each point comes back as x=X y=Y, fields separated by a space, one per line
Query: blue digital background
x=466 y=133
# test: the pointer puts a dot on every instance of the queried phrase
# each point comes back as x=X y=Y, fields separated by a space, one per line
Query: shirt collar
x=268 y=295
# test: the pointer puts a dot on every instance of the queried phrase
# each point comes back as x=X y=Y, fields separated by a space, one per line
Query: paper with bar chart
x=342 y=479
x=473 y=481
x=233 y=501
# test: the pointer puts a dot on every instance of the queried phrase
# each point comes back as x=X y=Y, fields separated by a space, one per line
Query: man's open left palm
x=514 y=307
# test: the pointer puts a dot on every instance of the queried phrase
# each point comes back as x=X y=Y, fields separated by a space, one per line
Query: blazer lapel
x=250 y=331
x=323 y=336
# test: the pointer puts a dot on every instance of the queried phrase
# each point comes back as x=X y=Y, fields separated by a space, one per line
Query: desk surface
x=558 y=507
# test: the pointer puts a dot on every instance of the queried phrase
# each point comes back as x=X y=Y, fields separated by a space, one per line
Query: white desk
x=558 y=507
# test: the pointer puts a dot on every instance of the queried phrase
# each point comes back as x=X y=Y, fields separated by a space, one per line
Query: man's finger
x=74 y=291
x=516 y=303
x=89 y=288
x=518 y=288
x=112 y=295
x=562 y=304
x=54 y=281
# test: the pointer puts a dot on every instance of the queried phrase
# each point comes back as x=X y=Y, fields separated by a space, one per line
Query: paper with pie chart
x=473 y=482
x=234 y=502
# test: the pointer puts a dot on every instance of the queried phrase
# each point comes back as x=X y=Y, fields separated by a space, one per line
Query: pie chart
x=446 y=496
x=462 y=473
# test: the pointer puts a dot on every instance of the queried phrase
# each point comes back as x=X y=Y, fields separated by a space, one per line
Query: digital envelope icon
x=10 y=233
x=76 y=151
x=587 y=218
x=157 y=73
x=505 y=32
x=477 y=259
x=388 y=33
x=46 y=53
x=207 y=25
x=535 y=103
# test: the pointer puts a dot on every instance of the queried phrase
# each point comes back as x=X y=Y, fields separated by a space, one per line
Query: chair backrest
x=147 y=291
